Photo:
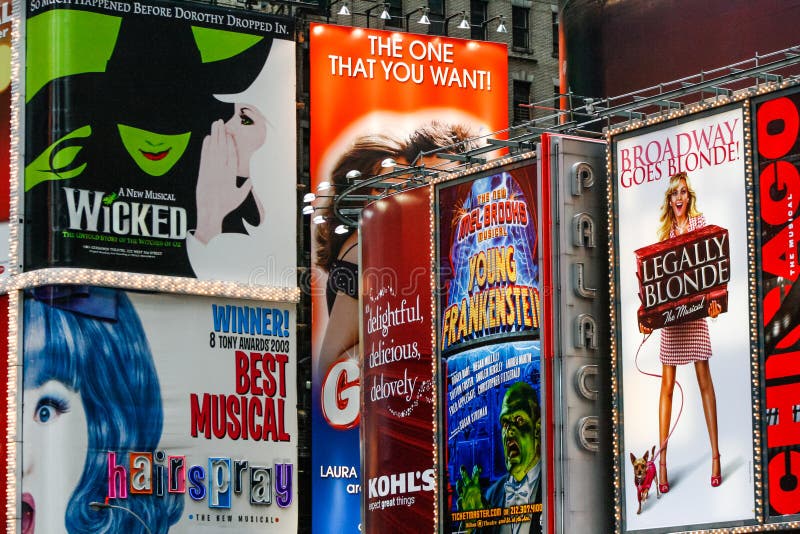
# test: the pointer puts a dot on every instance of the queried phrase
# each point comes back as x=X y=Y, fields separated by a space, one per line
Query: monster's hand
x=57 y=162
x=468 y=487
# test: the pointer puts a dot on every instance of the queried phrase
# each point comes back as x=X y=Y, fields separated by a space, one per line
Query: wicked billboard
x=159 y=139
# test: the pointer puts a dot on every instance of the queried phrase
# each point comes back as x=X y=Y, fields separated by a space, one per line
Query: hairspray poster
x=195 y=432
x=683 y=321
x=159 y=139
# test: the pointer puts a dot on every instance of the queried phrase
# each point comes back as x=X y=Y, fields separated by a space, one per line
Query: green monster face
x=521 y=436
x=154 y=153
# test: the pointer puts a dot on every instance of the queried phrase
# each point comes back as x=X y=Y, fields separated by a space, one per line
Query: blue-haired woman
x=90 y=388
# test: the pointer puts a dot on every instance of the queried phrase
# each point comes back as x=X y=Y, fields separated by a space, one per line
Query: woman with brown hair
x=337 y=254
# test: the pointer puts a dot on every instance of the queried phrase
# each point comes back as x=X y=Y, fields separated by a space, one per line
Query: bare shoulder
x=349 y=250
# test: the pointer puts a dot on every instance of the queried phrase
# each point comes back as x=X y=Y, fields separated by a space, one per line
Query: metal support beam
x=721 y=82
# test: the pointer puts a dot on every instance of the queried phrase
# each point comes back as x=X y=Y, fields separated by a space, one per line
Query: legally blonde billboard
x=777 y=146
x=178 y=413
x=159 y=139
x=683 y=345
x=491 y=396
x=375 y=95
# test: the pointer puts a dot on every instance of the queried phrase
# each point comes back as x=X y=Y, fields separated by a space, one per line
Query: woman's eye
x=48 y=409
x=247 y=121
x=44 y=413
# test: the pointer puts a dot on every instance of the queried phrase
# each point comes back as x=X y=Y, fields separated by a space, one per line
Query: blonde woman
x=687 y=342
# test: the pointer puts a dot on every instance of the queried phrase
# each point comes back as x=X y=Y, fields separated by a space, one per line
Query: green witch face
x=153 y=152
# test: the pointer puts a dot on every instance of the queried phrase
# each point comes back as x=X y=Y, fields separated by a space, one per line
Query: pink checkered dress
x=686 y=342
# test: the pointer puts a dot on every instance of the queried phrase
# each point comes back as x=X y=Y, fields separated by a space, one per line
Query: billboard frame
x=13 y=285
x=754 y=103
x=710 y=108
x=509 y=162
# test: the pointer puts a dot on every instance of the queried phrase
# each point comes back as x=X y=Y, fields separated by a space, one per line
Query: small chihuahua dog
x=644 y=473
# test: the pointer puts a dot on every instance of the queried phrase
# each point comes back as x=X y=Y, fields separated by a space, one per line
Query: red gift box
x=679 y=277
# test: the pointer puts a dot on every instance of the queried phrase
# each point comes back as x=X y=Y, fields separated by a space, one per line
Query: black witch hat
x=156 y=79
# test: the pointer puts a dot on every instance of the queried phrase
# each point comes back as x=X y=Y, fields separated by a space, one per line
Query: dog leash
x=677 y=383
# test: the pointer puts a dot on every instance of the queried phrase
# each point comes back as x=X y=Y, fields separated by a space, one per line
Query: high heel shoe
x=663 y=487
x=716 y=480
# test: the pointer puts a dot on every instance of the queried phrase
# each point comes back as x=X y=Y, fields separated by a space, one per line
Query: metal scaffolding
x=578 y=115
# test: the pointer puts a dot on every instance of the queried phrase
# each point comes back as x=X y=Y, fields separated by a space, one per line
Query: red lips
x=155 y=156
x=28 y=513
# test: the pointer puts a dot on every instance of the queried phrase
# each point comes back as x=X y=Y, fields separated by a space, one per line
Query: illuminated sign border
x=775 y=519
x=476 y=172
x=744 y=100
x=17 y=280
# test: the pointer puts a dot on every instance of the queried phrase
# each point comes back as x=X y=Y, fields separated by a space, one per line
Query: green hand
x=47 y=166
x=468 y=487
